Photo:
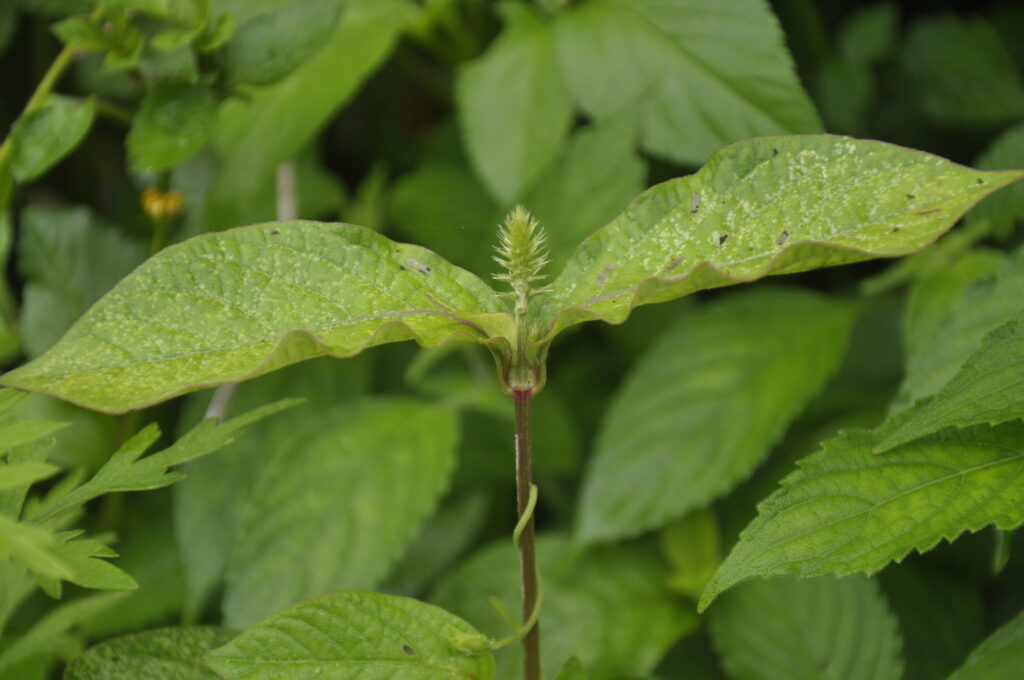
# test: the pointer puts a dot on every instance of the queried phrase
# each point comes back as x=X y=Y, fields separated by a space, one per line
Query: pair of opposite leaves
x=228 y=306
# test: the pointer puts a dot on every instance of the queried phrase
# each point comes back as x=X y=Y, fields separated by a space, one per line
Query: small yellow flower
x=161 y=205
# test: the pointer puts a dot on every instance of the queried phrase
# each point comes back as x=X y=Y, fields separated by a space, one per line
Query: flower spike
x=522 y=254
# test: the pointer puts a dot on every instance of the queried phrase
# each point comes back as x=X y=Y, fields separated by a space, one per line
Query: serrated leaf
x=610 y=607
x=87 y=560
x=774 y=205
x=368 y=474
x=272 y=43
x=1000 y=656
x=327 y=637
x=696 y=75
x=164 y=654
x=48 y=633
x=789 y=629
x=846 y=510
x=278 y=121
x=226 y=307
x=24 y=432
x=126 y=471
x=34 y=547
x=705 y=405
x=48 y=134
x=939 y=343
x=514 y=109
x=988 y=389
x=25 y=473
x=69 y=259
x=173 y=122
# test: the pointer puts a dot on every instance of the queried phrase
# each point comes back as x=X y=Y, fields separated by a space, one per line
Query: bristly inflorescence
x=522 y=254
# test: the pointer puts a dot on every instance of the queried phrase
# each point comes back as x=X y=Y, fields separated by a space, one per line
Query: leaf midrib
x=1018 y=457
x=699 y=65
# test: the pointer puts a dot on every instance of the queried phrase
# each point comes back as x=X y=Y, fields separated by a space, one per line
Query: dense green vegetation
x=810 y=476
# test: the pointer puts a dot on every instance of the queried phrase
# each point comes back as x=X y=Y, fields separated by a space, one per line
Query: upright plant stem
x=527 y=550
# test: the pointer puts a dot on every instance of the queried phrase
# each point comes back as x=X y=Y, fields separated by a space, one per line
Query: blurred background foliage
x=428 y=120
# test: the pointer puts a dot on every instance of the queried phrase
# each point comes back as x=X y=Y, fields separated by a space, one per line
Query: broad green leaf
x=585 y=187
x=69 y=259
x=209 y=502
x=514 y=109
x=821 y=629
x=845 y=90
x=693 y=547
x=931 y=297
x=147 y=551
x=421 y=206
x=173 y=122
x=441 y=539
x=48 y=134
x=988 y=389
x=1000 y=656
x=961 y=73
x=774 y=205
x=328 y=637
x=846 y=510
x=126 y=471
x=983 y=303
x=696 y=75
x=367 y=473
x=180 y=11
x=870 y=33
x=225 y=307
x=163 y=654
x=572 y=669
x=274 y=123
x=48 y=633
x=705 y=405
x=609 y=607
x=24 y=474
x=1003 y=210
x=270 y=44
x=940 y=614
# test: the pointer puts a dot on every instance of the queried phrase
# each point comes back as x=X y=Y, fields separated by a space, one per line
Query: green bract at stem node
x=521 y=253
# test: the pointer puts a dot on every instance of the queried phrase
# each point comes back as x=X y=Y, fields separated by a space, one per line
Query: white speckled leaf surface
x=352 y=634
x=232 y=305
x=772 y=205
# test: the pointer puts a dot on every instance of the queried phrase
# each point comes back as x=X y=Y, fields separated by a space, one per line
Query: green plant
x=330 y=495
